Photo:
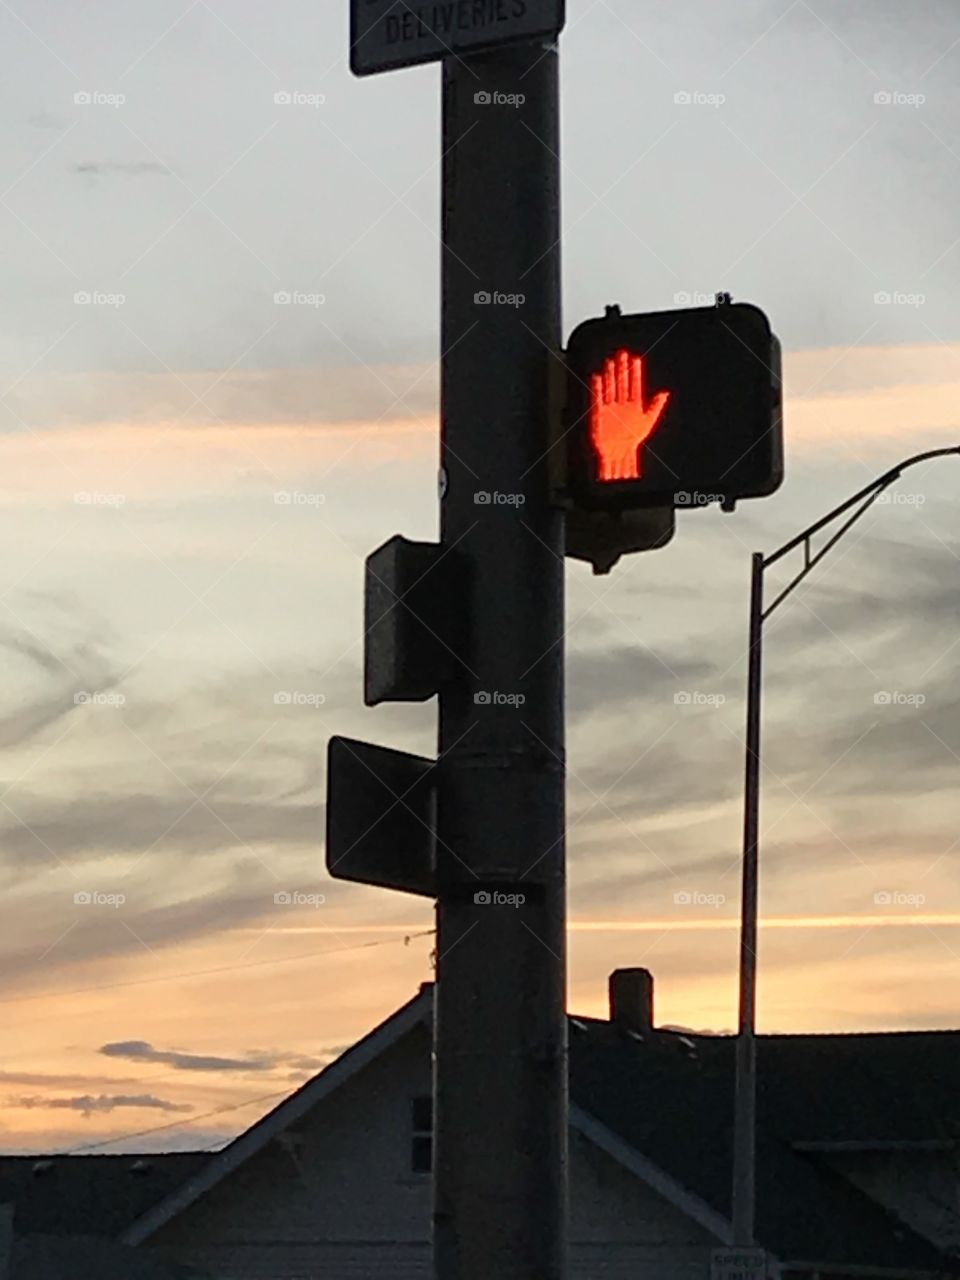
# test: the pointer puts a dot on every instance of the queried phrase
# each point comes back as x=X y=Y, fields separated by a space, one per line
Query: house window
x=421 y=1140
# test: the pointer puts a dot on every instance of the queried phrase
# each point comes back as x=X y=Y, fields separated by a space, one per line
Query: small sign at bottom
x=742 y=1264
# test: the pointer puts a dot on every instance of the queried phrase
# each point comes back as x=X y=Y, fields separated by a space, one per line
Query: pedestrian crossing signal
x=621 y=418
x=673 y=408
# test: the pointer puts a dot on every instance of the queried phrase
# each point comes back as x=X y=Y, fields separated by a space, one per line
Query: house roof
x=662 y=1104
x=413 y=1014
x=89 y=1195
x=897 y=1087
x=670 y=1095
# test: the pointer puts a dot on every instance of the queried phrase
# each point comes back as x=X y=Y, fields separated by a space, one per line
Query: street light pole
x=744 y=1195
x=745 y=1088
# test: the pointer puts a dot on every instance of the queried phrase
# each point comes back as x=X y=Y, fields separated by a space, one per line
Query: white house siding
x=350 y=1260
x=363 y=1261
x=921 y=1187
x=348 y=1208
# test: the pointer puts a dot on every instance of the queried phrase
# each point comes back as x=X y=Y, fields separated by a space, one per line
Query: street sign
x=388 y=34
x=380 y=816
x=414 y=616
x=742 y=1264
x=678 y=408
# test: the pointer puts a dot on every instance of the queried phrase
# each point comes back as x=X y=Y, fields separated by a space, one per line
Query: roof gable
x=414 y=1013
x=670 y=1096
x=661 y=1104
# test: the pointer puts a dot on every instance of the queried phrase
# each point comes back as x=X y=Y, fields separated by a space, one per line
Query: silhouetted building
x=857 y=1160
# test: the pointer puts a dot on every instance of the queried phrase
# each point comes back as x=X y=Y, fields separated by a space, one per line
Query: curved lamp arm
x=865 y=498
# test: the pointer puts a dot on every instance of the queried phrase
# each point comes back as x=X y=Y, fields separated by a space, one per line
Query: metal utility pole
x=745 y=1103
x=745 y=1089
x=500 y=1121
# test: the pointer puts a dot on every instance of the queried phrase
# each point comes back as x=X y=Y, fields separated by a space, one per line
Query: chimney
x=631 y=999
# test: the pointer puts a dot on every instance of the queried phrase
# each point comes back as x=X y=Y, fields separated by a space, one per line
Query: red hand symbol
x=619 y=420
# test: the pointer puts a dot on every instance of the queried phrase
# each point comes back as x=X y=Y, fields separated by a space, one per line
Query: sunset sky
x=191 y=475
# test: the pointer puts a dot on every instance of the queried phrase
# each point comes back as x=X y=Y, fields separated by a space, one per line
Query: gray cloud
x=45 y=120
x=621 y=676
x=252 y=1061
x=131 y=169
x=103 y=1103
x=138 y=823
x=142 y=1051
x=61 y=1080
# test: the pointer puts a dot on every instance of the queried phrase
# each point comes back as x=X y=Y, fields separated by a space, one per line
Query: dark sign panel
x=386 y=34
x=674 y=408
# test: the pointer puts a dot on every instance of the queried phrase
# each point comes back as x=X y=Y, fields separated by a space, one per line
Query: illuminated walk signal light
x=673 y=408
x=621 y=419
